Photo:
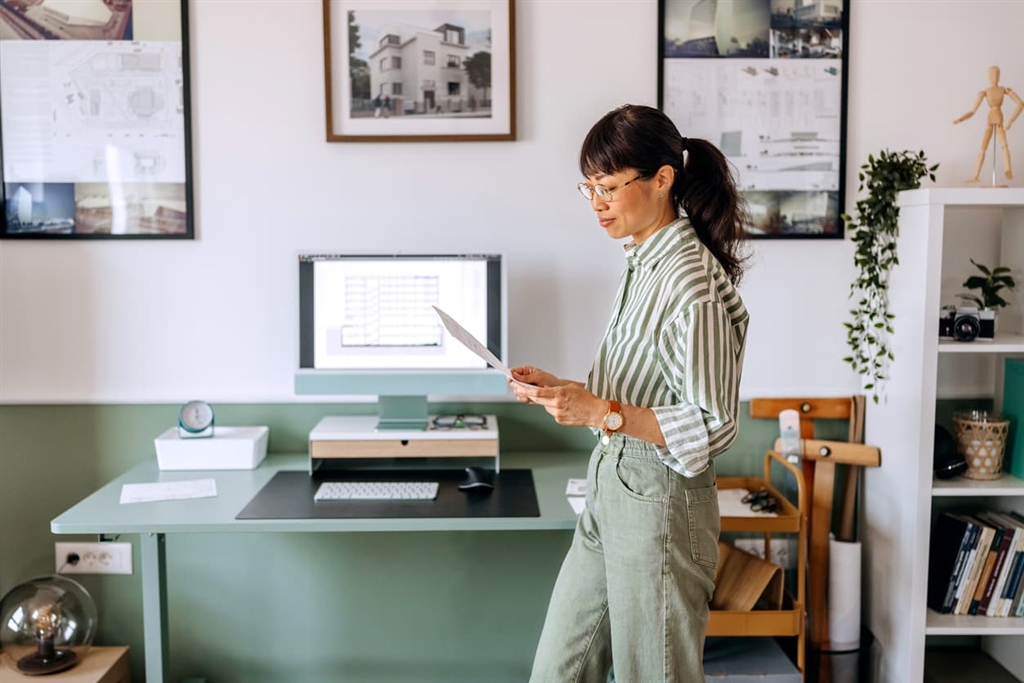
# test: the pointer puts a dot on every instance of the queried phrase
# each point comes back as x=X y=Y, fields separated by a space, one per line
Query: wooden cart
x=790 y=620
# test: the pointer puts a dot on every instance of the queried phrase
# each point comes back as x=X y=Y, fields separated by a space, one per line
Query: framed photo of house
x=765 y=81
x=419 y=70
x=95 y=138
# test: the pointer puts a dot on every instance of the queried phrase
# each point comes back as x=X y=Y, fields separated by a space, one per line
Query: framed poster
x=765 y=81
x=419 y=70
x=94 y=119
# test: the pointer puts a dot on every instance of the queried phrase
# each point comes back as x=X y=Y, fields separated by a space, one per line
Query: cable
x=71 y=559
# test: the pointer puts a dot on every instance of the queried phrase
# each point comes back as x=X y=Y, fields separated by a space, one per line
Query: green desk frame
x=102 y=513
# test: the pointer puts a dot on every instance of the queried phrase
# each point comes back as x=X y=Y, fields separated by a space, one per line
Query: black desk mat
x=289 y=495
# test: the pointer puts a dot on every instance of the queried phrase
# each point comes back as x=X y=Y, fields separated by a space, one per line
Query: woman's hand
x=569 y=403
x=527 y=374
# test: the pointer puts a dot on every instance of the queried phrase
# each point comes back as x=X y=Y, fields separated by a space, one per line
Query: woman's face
x=635 y=208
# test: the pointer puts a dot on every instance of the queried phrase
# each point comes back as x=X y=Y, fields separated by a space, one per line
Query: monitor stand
x=343 y=442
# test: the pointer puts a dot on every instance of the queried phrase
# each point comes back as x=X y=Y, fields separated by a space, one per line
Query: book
x=1003 y=593
x=1004 y=542
x=1017 y=606
x=980 y=553
x=965 y=572
x=988 y=567
x=952 y=540
x=1006 y=600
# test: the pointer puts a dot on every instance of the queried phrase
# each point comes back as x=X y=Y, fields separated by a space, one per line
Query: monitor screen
x=367 y=326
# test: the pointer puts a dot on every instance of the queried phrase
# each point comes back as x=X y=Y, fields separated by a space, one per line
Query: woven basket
x=981 y=439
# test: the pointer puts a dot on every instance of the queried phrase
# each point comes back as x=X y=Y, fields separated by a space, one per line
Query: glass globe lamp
x=46 y=625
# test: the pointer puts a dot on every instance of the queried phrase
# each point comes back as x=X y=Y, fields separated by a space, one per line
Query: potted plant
x=874 y=232
x=989 y=284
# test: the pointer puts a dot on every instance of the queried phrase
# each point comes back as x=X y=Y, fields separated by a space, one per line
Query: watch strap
x=614 y=408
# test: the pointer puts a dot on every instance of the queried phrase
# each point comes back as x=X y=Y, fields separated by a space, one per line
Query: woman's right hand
x=527 y=374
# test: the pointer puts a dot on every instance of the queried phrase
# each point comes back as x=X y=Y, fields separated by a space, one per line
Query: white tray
x=230 y=448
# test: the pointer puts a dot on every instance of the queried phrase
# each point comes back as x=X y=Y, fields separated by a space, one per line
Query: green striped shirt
x=675 y=344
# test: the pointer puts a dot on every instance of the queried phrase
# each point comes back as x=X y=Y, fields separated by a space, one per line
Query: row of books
x=976 y=564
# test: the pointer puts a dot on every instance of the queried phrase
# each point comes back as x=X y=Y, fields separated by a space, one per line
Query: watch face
x=613 y=421
x=196 y=416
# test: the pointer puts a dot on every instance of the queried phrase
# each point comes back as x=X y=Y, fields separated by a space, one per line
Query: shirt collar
x=647 y=254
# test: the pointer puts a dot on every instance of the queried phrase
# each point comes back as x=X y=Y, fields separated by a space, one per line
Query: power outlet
x=783 y=550
x=93 y=558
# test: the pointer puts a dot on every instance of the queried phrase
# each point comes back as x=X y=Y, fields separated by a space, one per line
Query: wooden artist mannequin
x=994 y=94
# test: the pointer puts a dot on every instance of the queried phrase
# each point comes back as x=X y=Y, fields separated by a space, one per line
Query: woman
x=662 y=394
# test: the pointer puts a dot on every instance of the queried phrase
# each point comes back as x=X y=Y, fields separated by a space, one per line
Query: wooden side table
x=101 y=665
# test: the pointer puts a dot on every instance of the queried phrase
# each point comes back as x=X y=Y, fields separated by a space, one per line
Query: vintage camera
x=966 y=324
x=947 y=314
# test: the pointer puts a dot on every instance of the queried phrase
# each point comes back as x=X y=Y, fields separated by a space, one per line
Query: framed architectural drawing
x=419 y=70
x=765 y=80
x=94 y=119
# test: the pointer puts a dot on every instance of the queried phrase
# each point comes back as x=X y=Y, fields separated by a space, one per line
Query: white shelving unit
x=940 y=230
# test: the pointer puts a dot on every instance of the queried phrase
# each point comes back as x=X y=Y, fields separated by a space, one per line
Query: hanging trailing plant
x=874 y=232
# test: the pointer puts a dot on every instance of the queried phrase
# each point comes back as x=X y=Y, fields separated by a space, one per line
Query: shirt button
x=605 y=440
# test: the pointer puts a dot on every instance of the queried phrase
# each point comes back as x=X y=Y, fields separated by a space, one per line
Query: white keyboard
x=376 y=490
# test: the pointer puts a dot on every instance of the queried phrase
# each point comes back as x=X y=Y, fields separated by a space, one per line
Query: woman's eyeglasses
x=761 y=501
x=604 y=193
x=460 y=422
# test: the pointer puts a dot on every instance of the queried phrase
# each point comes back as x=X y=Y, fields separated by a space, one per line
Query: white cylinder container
x=844 y=595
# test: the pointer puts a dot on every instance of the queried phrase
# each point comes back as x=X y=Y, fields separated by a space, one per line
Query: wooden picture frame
x=95 y=121
x=766 y=82
x=419 y=70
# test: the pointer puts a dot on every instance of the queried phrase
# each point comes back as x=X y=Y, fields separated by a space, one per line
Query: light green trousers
x=635 y=585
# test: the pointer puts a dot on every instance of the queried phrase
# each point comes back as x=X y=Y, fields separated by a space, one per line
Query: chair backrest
x=809 y=409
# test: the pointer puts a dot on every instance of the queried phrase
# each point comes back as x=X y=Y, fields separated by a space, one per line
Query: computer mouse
x=477 y=479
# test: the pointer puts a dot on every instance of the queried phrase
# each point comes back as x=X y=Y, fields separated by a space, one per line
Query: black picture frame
x=766 y=82
x=95 y=122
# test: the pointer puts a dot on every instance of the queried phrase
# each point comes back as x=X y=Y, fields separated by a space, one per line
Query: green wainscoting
x=304 y=608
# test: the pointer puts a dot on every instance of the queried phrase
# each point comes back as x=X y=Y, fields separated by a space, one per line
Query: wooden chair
x=818 y=467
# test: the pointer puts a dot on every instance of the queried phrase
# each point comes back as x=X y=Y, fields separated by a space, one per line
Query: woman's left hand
x=570 y=404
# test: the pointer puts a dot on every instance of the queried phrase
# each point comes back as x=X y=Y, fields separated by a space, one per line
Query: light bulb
x=47 y=619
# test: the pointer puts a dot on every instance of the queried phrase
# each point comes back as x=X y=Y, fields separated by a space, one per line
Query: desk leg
x=154 y=605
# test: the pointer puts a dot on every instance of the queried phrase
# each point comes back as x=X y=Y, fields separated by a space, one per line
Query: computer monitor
x=367 y=327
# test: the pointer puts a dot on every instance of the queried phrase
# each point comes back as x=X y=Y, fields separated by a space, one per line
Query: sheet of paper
x=473 y=344
x=576 y=487
x=578 y=504
x=168 y=490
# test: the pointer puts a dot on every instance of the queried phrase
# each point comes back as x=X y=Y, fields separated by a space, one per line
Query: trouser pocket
x=643 y=478
x=704 y=524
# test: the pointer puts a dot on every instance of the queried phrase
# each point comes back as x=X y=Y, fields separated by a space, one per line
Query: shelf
x=953 y=665
x=1006 y=485
x=964 y=196
x=786 y=519
x=1002 y=343
x=971 y=625
x=784 y=622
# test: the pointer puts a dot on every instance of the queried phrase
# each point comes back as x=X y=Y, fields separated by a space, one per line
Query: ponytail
x=705 y=190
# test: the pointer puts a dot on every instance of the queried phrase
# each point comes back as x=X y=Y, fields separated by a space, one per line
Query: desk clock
x=195 y=420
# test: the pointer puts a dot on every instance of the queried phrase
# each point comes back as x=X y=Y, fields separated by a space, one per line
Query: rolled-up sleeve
x=700 y=354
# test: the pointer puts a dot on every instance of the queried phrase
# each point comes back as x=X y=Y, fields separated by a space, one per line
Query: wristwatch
x=613 y=419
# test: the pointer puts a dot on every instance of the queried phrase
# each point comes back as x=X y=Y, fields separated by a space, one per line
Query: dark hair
x=644 y=138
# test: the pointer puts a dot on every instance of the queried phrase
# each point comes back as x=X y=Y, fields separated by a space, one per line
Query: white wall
x=126 y=321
